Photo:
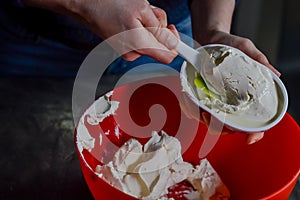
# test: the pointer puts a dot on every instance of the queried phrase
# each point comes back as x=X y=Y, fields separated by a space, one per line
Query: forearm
x=71 y=8
x=84 y=11
x=126 y=31
x=60 y=6
x=209 y=16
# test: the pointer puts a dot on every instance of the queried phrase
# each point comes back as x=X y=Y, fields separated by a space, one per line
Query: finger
x=228 y=130
x=152 y=45
x=156 y=23
x=131 y=56
x=151 y=16
x=205 y=116
x=155 y=41
x=164 y=56
x=273 y=69
x=143 y=42
x=173 y=29
x=165 y=36
x=190 y=109
x=160 y=15
x=261 y=58
x=254 y=137
x=250 y=49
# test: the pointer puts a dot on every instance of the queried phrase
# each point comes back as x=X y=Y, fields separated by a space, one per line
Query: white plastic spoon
x=189 y=54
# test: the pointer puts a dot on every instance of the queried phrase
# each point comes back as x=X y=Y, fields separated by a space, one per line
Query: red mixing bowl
x=267 y=169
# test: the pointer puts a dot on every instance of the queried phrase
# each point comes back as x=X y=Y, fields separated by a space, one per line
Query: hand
x=243 y=44
x=211 y=21
x=143 y=27
x=149 y=33
x=248 y=48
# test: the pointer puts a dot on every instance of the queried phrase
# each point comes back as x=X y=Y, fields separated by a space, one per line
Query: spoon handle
x=189 y=54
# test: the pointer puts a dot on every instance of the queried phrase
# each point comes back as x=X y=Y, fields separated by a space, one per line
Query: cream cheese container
x=237 y=90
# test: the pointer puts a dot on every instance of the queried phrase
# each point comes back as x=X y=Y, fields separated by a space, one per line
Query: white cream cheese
x=101 y=109
x=245 y=89
x=148 y=171
x=96 y=113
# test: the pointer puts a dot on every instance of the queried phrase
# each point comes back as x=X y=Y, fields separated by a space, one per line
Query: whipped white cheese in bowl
x=242 y=93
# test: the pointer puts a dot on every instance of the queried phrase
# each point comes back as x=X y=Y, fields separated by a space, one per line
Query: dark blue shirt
x=29 y=23
x=38 y=41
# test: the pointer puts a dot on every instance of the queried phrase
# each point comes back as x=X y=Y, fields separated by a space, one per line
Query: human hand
x=248 y=48
x=143 y=28
x=241 y=43
x=211 y=21
x=133 y=28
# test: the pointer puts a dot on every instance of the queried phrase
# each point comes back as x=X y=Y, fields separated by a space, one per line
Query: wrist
x=76 y=8
x=209 y=36
x=210 y=18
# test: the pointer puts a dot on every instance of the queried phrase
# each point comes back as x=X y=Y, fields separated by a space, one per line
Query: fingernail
x=252 y=141
x=205 y=118
x=255 y=137
x=277 y=73
x=274 y=70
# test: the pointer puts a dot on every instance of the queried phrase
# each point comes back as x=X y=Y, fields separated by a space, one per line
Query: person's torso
x=29 y=23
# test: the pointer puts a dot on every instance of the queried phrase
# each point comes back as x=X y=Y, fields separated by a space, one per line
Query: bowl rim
x=290 y=183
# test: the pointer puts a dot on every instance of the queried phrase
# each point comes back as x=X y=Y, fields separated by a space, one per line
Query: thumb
x=165 y=36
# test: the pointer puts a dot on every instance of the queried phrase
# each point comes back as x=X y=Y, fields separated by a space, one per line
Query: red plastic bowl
x=267 y=169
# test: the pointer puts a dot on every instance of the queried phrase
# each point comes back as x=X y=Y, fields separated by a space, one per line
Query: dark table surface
x=38 y=158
